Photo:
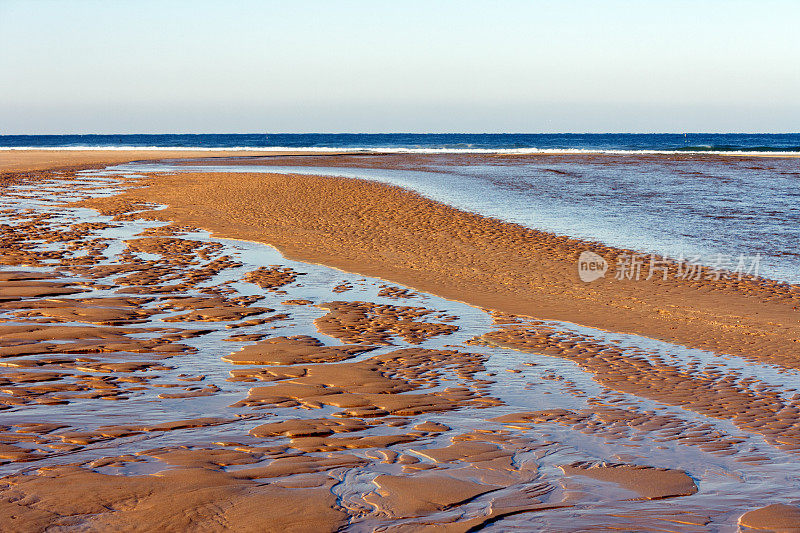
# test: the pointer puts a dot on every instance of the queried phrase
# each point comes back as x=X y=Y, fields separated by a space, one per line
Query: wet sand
x=391 y=233
x=21 y=161
x=154 y=377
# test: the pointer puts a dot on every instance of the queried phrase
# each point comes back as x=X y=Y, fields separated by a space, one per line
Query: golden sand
x=395 y=234
x=23 y=161
x=76 y=349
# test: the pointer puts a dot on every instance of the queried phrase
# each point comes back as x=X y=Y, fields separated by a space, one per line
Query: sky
x=399 y=66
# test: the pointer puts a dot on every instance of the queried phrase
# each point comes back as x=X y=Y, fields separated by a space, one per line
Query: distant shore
x=12 y=161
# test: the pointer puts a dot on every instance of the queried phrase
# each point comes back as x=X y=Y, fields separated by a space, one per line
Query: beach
x=15 y=162
x=335 y=351
x=390 y=233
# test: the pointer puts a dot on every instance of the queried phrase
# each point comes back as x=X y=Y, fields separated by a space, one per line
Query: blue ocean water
x=433 y=142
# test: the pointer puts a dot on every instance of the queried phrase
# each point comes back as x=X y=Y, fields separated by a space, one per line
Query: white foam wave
x=395 y=150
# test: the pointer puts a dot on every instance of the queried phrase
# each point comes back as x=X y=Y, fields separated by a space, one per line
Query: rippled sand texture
x=153 y=377
x=389 y=232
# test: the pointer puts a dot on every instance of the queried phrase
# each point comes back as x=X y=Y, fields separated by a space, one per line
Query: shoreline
x=376 y=151
x=394 y=234
x=39 y=160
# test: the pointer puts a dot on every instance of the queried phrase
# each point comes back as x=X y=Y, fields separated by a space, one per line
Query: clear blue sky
x=116 y=66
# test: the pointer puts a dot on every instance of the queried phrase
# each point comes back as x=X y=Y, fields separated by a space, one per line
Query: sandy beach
x=16 y=162
x=376 y=366
x=394 y=234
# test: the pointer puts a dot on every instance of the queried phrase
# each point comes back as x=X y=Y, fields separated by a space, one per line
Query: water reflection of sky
x=676 y=207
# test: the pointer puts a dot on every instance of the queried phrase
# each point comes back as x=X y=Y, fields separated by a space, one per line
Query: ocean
x=426 y=143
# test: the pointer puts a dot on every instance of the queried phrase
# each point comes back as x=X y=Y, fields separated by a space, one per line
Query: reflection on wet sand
x=154 y=377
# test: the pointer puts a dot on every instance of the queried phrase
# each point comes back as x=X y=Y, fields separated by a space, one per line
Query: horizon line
x=416 y=133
